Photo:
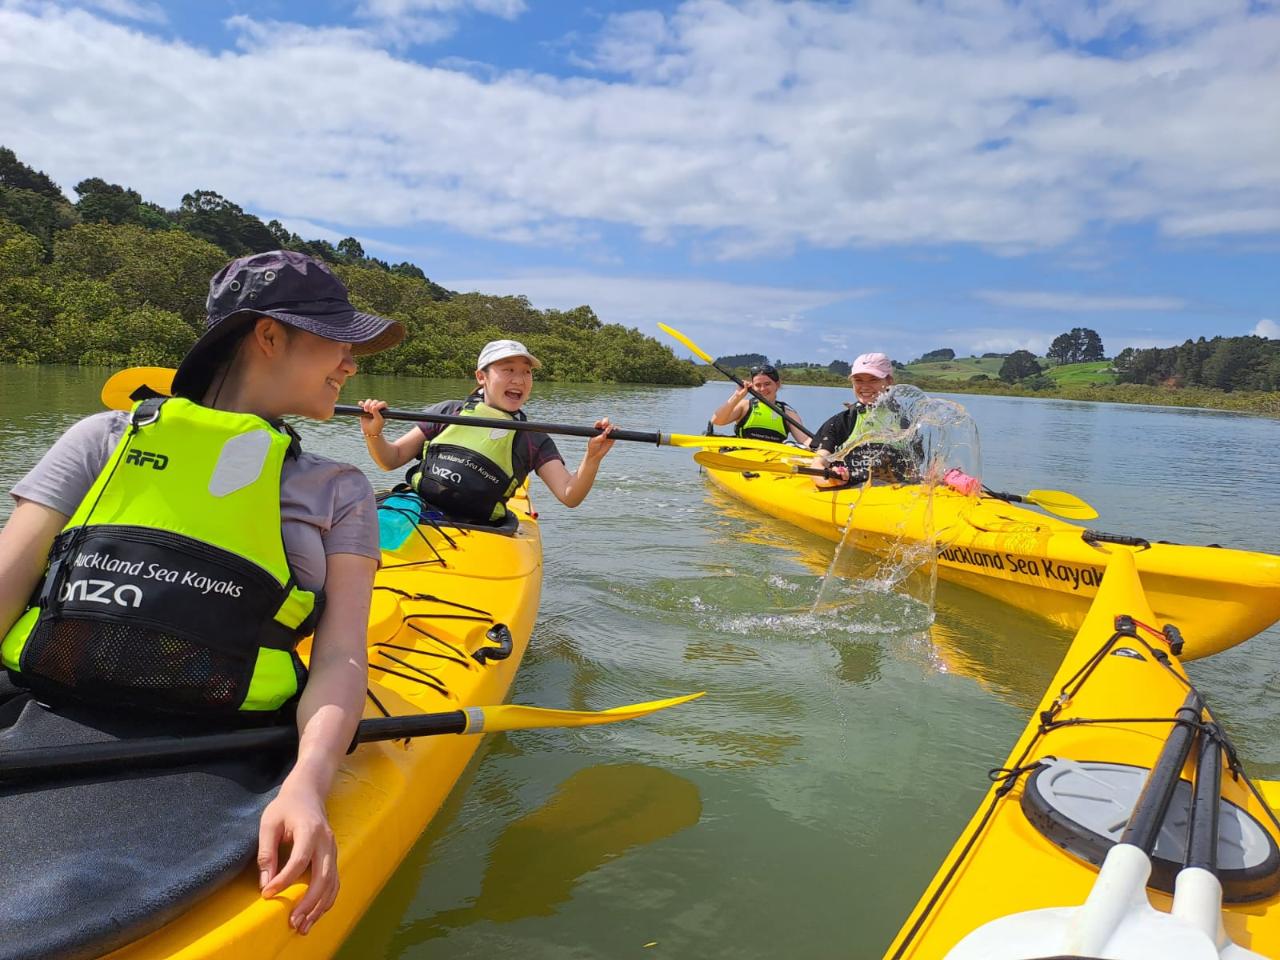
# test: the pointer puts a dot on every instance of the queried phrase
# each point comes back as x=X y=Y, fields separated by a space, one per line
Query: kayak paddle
x=1057 y=502
x=718 y=461
x=703 y=355
x=122 y=390
x=1117 y=919
x=41 y=763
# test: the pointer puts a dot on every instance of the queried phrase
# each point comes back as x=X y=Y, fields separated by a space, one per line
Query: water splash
x=928 y=437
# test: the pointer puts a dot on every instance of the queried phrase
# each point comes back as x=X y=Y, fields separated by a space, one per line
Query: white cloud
x=1217 y=222
x=717 y=316
x=1266 y=328
x=1075 y=302
x=395 y=9
x=144 y=12
x=746 y=128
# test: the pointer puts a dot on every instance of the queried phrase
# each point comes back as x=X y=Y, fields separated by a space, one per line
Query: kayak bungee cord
x=1007 y=778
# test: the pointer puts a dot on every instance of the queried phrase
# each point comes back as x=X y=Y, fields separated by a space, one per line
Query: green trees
x=742 y=360
x=1223 y=363
x=1019 y=364
x=937 y=356
x=1079 y=345
x=115 y=280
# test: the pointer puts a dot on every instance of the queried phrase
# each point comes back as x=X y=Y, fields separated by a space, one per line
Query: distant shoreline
x=1258 y=403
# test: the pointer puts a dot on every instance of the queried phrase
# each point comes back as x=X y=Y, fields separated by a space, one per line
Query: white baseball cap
x=496 y=350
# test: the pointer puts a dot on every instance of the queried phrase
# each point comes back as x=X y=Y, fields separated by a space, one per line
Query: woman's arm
x=732 y=410
x=572 y=488
x=24 y=550
x=328 y=712
x=797 y=434
x=387 y=455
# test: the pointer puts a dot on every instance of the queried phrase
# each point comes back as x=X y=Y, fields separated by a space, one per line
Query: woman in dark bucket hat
x=282 y=285
x=281 y=339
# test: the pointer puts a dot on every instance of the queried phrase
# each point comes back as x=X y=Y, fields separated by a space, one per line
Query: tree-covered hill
x=114 y=280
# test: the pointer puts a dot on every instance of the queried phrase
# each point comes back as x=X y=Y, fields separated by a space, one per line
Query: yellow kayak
x=1219 y=597
x=1065 y=793
x=440 y=597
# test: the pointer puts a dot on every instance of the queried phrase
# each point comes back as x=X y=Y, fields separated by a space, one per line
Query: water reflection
x=596 y=815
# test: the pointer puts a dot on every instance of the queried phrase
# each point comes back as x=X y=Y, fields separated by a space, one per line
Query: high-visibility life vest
x=169 y=588
x=468 y=471
x=762 y=423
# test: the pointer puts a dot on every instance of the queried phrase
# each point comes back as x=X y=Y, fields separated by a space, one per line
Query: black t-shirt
x=836 y=430
x=529 y=452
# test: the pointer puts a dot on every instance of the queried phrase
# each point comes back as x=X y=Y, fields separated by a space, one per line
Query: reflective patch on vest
x=497 y=433
x=240 y=462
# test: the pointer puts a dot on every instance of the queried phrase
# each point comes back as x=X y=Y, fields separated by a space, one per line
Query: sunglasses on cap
x=768 y=369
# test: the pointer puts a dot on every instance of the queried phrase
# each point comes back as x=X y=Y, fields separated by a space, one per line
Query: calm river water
x=801 y=806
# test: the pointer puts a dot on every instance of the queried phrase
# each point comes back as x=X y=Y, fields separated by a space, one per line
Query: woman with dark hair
x=165 y=562
x=756 y=420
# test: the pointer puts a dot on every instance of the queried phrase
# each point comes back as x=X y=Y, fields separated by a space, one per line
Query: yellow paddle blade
x=514 y=716
x=696 y=350
x=1062 y=503
x=718 y=461
x=742 y=443
x=122 y=390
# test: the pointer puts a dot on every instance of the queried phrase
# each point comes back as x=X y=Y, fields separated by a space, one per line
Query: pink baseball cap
x=876 y=364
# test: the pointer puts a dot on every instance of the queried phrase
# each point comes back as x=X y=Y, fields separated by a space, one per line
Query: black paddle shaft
x=1149 y=810
x=1202 y=832
x=564 y=429
x=114 y=756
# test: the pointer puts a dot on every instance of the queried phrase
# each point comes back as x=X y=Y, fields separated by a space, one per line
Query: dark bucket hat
x=294 y=289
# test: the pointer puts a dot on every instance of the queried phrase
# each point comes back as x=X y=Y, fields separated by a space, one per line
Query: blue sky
x=806 y=180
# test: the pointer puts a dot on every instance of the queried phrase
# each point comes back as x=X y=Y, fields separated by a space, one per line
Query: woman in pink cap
x=871 y=375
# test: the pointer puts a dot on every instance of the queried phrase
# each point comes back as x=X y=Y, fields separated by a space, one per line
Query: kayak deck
x=439 y=597
x=1004 y=864
x=1218 y=597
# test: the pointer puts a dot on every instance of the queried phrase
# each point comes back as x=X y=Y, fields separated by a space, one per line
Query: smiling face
x=868 y=387
x=311 y=372
x=507 y=383
x=764 y=385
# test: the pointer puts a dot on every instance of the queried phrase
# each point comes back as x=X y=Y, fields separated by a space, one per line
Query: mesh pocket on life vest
x=130 y=665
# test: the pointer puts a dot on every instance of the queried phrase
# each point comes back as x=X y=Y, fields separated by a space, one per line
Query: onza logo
x=140 y=458
x=445 y=474
x=101 y=591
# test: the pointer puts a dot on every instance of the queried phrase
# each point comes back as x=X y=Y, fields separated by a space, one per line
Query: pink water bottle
x=961 y=482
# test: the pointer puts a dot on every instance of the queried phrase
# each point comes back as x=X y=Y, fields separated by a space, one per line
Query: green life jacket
x=762 y=423
x=169 y=588
x=880 y=419
x=467 y=471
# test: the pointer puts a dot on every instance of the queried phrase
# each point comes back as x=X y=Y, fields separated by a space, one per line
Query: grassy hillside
x=961 y=368
x=1082 y=374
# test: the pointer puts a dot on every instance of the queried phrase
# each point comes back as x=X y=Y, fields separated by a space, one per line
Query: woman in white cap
x=873 y=415
x=214 y=535
x=469 y=473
